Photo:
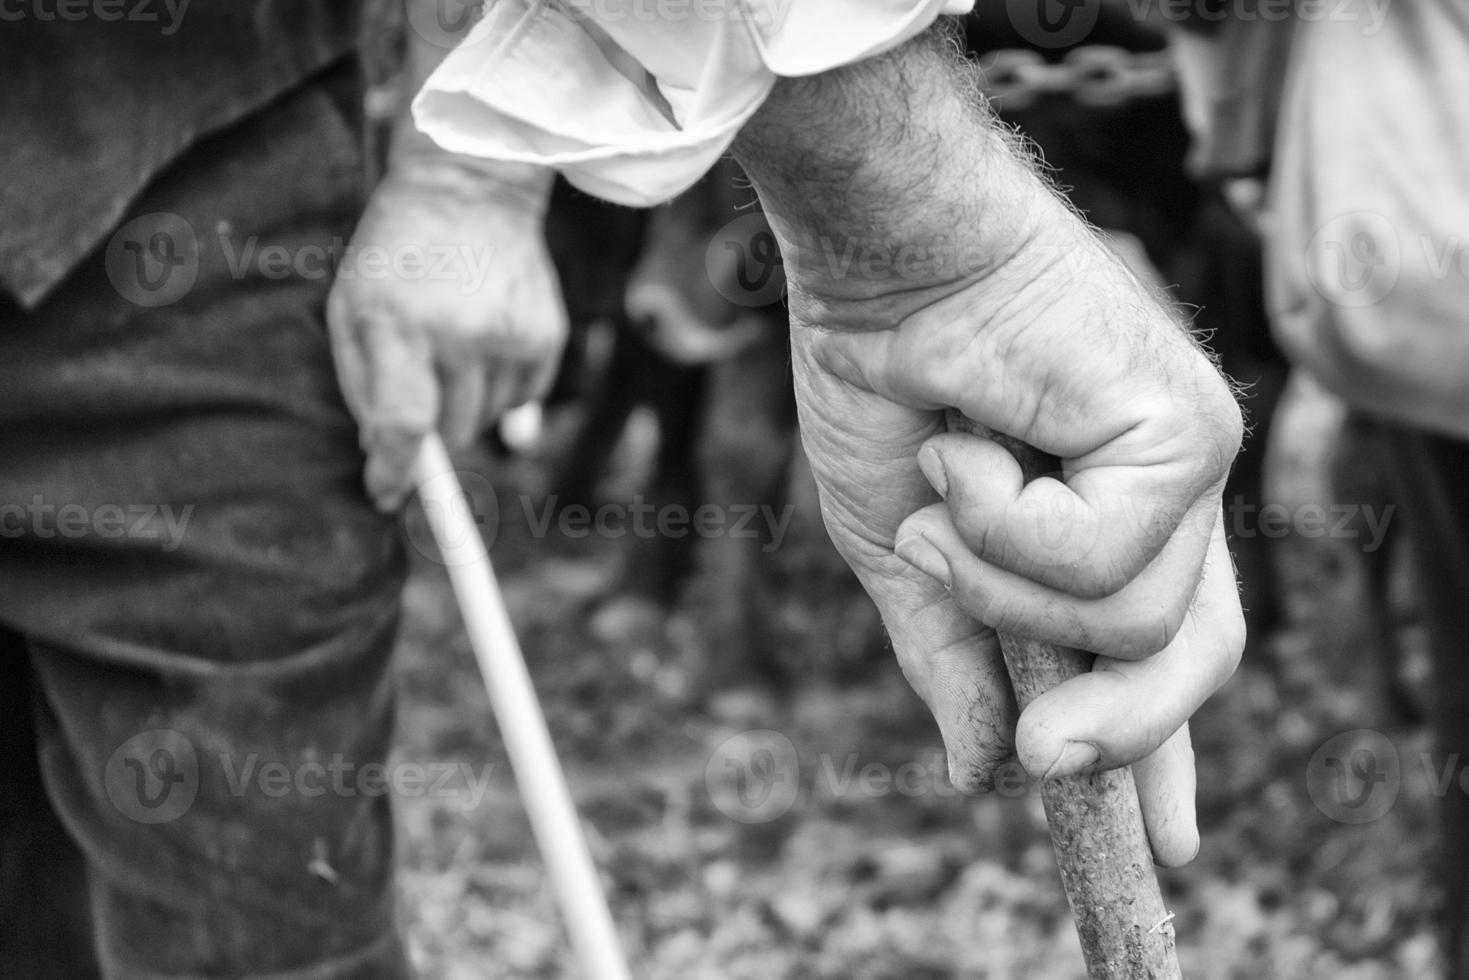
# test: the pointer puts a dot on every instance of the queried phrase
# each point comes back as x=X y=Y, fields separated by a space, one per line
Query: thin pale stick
x=553 y=816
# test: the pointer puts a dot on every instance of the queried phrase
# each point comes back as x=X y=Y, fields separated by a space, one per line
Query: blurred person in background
x=1357 y=115
x=175 y=350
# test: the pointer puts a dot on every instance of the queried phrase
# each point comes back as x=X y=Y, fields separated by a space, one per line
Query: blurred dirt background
x=872 y=881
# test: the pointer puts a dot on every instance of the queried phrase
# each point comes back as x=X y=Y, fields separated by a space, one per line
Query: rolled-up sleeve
x=634 y=99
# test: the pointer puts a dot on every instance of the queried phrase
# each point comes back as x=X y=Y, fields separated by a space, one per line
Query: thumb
x=954 y=664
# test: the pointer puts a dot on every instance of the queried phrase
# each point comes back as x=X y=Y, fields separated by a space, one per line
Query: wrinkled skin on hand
x=1009 y=309
x=446 y=313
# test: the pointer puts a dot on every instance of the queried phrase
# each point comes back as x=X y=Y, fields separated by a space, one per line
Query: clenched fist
x=446 y=310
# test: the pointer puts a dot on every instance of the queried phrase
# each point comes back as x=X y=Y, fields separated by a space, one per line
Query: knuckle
x=979 y=603
x=977 y=530
x=1150 y=633
x=395 y=432
x=1096 y=577
x=1220 y=428
x=1174 y=615
x=1232 y=635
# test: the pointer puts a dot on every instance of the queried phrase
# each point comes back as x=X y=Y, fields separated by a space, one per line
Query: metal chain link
x=1092 y=75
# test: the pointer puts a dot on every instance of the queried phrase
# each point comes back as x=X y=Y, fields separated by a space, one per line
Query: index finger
x=403 y=390
x=1085 y=530
x=1144 y=428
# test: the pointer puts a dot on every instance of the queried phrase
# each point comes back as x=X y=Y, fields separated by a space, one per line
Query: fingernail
x=1193 y=853
x=932 y=466
x=1075 y=757
x=919 y=552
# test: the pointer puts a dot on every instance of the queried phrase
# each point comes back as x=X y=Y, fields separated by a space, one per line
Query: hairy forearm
x=897 y=156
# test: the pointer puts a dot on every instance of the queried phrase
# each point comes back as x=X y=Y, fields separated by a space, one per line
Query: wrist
x=890 y=179
x=518 y=186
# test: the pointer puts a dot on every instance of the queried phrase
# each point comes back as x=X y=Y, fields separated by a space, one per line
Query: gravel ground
x=861 y=862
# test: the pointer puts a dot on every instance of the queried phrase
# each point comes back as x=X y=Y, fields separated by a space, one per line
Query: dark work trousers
x=1431 y=474
x=197 y=601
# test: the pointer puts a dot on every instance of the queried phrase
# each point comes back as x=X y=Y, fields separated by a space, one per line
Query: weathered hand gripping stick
x=1096 y=824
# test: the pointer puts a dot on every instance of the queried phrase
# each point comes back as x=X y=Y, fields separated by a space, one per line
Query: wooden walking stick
x=1096 y=824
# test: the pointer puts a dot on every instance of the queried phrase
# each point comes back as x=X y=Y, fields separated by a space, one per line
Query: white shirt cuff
x=633 y=100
